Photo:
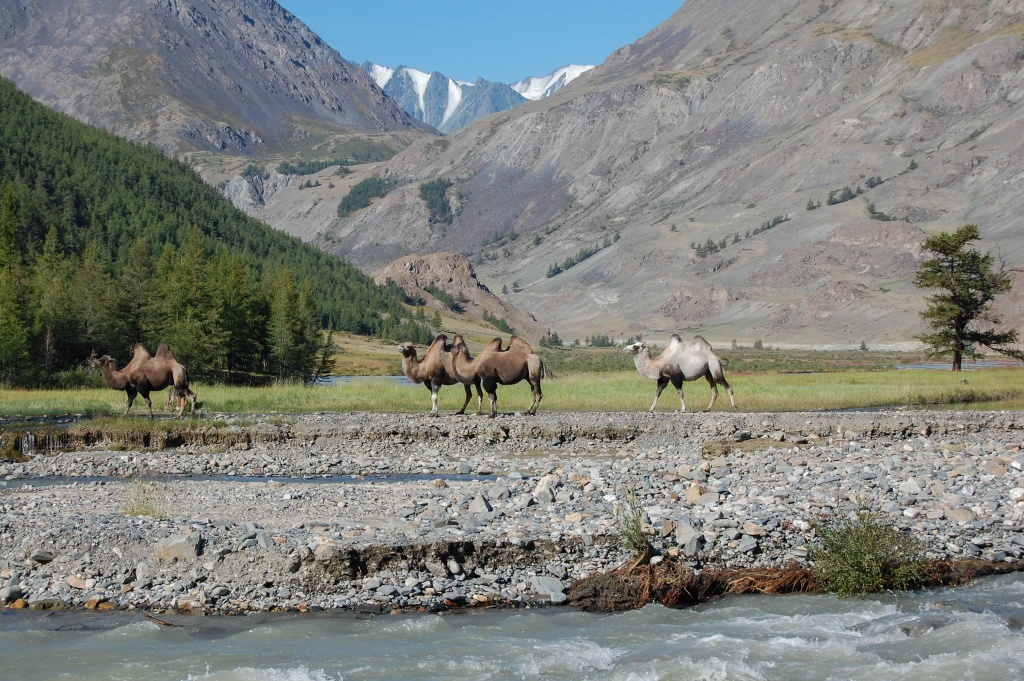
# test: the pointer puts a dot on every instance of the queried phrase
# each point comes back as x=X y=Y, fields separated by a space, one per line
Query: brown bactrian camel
x=145 y=374
x=163 y=363
x=495 y=366
x=434 y=369
x=678 y=362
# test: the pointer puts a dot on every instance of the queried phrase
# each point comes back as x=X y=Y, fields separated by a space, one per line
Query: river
x=972 y=632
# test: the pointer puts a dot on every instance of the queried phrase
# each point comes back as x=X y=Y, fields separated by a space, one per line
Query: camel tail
x=548 y=373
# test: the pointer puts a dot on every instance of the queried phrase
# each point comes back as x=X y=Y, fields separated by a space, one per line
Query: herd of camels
x=447 y=363
x=443 y=363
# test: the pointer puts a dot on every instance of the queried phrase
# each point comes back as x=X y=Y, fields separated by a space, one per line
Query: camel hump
x=494 y=345
x=701 y=343
x=163 y=351
x=140 y=351
x=519 y=345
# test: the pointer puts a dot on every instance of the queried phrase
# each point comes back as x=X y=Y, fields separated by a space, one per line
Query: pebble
x=533 y=505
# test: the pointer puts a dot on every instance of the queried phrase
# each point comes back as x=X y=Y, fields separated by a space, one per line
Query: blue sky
x=500 y=40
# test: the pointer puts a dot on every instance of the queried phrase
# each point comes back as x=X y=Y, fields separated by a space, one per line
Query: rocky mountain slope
x=677 y=186
x=240 y=77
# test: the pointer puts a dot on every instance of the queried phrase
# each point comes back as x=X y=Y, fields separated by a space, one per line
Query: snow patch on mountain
x=454 y=99
x=380 y=74
x=544 y=86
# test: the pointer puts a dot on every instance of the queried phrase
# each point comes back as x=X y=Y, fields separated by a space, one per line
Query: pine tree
x=967 y=285
x=13 y=338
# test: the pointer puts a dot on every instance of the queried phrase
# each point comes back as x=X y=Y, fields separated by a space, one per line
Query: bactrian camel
x=434 y=369
x=678 y=362
x=145 y=374
x=495 y=366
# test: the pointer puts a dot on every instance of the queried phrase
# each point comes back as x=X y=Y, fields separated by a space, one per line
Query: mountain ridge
x=226 y=76
x=722 y=125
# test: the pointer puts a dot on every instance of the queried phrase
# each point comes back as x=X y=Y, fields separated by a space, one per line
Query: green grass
x=984 y=389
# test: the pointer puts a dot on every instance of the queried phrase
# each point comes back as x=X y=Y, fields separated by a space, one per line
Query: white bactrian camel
x=435 y=369
x=678 y=362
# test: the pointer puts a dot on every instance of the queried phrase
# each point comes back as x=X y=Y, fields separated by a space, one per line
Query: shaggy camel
x=146 y=374
x=495 y=366
x=681 y=362
x=435 y=369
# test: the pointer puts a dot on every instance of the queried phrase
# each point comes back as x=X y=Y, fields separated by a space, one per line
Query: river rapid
x=972 y=632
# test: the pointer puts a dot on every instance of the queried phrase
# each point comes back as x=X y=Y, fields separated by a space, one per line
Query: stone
x=10 y=593
x=42 y=557
x=747 y=544
x=994 y=468
x=547 y=586
x=181 y=547
x=753 y=529
x=76 y=582
x=960 y=514
x=685 y=531
x=694 y=492
x=479 y=505
x=693 y=546
x=910 y=486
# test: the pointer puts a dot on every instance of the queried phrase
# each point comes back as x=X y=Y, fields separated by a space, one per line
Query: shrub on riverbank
x=865 y=554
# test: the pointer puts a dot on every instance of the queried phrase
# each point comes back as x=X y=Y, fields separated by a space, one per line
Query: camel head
x=635 y=348
x=94 y=362
x=407 y=350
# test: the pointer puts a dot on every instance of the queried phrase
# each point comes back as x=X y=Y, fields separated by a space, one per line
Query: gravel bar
x=381 y=512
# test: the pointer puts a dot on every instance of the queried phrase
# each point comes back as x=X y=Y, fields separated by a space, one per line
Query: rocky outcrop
x=453 y=276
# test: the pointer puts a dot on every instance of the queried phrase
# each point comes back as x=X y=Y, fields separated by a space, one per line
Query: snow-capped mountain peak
x=448 y=104
x=544 y=86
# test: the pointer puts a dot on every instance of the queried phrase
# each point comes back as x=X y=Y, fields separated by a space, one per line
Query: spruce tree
x=966 y=285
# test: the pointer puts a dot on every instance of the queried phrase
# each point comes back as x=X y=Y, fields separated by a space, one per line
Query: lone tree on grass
x=967 y=284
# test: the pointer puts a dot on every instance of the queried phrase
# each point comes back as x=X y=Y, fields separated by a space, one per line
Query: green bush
x=863 y=555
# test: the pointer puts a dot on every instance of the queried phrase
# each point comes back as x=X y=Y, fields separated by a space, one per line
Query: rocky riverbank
x=373 y=512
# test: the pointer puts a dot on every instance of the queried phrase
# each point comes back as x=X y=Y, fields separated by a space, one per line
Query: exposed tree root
x=674 y=584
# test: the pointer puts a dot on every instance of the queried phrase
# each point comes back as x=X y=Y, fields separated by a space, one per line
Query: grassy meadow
x=620 y=390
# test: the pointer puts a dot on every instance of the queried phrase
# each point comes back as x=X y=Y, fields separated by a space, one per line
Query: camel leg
x=728 y=389
x=662 y=382
x=469 y=395
x=433 y=398
x=149 y=403
x=537 y=397
x=479 y=397
x=714 y=391
x=677 y=383
x=131 y=398
x=491 y=388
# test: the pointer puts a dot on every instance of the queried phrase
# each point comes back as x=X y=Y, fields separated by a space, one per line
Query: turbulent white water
x=972 y=632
